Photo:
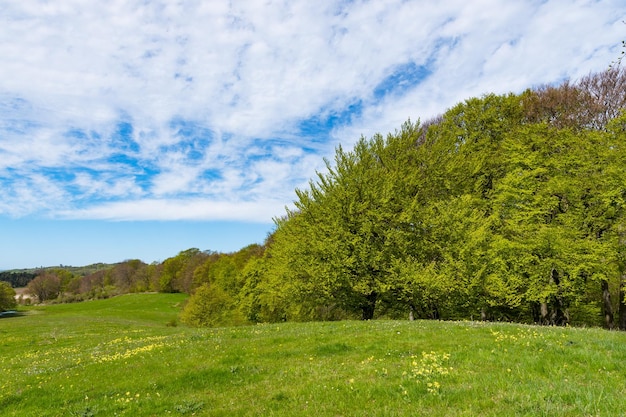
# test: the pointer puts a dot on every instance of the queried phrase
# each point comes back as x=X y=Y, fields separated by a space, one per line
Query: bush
x=211 y=306
x=46 y=286
x=7 y=296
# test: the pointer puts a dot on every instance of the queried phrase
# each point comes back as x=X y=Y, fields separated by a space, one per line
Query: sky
x=134 y=129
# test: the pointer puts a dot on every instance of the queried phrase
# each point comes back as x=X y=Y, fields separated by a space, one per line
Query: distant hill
x=77 y=270
x=21 y=277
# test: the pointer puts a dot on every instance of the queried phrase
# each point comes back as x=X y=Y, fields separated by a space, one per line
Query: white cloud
x=179 y=209
x=504 y=47
x=216 y=92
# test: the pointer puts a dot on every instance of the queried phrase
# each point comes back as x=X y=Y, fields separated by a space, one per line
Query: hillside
x=119 y=357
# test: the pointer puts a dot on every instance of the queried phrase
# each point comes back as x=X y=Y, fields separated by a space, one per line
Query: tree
x=7 y=296
x=505 y=207
x=177 y=273
x=606 y=95
x=211 y=306
x=590 y=103
x=462 y=161
x=129 y=276
x=554 y=207
x=46 y=286
x=267 y=295
x=338 y=247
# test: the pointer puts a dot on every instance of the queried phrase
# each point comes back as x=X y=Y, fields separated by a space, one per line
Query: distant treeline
x=506 y=207
x=21 y=277
x=181 y=273
x=17 y=278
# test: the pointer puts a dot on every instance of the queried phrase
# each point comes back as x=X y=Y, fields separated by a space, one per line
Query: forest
x=505 y=207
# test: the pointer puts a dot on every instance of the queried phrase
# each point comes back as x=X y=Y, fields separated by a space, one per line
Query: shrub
x=210 y=306
x=7 y=296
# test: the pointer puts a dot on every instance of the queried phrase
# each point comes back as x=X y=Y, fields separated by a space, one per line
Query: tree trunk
x=622 y=303
x=544 y=314
x=369 y=305
x=608 y=307
x=434 y=312
x=559 y=316
x=536 y=312
x=411 y=313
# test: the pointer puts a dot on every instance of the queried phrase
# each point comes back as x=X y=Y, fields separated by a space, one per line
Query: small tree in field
x=45 y=287
x=7 y=296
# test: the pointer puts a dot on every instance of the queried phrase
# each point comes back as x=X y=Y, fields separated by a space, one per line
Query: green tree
x=211 y=306
x=7 y=296
x=544 y=206
x=177 y=273
x=266 y=295
x=505 y=207
x=217 y=288
x=338 y=247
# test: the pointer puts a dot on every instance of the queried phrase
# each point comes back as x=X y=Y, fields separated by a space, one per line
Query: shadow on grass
x=10 y=313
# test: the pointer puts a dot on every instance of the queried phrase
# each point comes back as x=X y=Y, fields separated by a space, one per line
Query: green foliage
x=210 y=306
x=338 y=247
x=7 y=296
x=17 y=278
x=177 y=273
x=506 y=207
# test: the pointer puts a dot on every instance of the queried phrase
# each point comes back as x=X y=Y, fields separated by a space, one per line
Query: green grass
x=120 y=357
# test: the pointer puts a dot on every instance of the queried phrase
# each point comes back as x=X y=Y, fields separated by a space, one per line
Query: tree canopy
x=505 y=207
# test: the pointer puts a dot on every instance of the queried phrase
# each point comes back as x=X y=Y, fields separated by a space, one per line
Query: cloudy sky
x=137 y=129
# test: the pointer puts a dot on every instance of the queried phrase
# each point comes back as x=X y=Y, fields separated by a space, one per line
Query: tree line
x=181 y=273
x=505 y=207
x=17 y=278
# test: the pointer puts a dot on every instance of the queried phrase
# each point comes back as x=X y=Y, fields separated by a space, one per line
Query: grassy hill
x=120 y=357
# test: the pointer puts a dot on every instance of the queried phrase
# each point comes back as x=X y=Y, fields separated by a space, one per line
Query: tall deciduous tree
x=339 y=246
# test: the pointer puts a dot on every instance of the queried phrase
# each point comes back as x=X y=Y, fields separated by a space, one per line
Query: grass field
x=123 y=357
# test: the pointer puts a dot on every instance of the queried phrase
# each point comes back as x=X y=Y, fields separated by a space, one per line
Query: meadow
x=126 y=357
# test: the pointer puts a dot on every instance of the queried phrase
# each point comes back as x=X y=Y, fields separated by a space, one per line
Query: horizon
x=148 y=129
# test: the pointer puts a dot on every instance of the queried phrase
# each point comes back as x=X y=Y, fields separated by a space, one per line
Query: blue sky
x=139 y=129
